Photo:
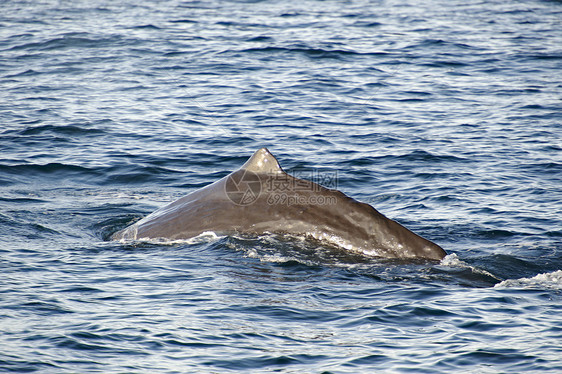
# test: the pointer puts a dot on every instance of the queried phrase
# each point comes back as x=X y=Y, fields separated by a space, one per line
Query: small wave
x=73 y=130
x=544 y=280
x=50 y=168
x=543 y=56
x=305 y=50
x=367 y=24
x=419 y=155
x=184 y=20
x=33 y=230
x=25 y=73
x=273 y=258
x=452 y=260
x=137 y=174
x=495 y=234
x=277 y=248
x=445 y=64
x=147 y=26
x=414 y=156
x=22 y=200
x=71 y=40
x=440 y=43
x=260 y=38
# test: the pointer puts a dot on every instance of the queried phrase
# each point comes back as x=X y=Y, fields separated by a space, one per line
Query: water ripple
x=442 y=115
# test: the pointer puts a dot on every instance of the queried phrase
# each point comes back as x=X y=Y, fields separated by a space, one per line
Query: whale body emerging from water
x=260 y=198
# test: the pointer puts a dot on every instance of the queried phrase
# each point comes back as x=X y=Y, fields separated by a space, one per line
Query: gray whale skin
x=261 y=198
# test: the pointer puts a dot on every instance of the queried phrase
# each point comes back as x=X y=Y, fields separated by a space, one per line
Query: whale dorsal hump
x=262 y=161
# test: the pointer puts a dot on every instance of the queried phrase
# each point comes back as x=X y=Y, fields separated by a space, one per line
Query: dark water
x=445 y=116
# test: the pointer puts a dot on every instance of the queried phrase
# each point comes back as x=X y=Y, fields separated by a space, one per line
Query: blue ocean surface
x=444 y=115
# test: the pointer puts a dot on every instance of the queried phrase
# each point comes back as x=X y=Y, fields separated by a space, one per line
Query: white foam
x=544 y=280
x=264 y=257
x=277 y=259
x=453 y=260
x=204 y=237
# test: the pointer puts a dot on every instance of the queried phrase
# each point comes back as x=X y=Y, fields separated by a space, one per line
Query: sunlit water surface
x=444 y=115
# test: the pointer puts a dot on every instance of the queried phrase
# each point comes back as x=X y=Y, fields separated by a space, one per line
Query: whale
x=260 y=198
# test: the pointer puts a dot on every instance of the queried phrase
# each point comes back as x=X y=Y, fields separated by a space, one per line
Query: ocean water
x=444 y=115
